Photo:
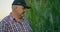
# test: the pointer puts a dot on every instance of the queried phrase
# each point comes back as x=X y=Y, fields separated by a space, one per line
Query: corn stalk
x=44 y=15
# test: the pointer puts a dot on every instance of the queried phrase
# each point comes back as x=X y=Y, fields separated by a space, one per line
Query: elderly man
x=15 y=22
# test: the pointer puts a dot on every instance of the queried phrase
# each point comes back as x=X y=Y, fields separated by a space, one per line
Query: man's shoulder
x=5 y=19
x=4 y=23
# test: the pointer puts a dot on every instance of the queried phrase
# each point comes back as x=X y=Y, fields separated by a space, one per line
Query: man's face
x=19 y=9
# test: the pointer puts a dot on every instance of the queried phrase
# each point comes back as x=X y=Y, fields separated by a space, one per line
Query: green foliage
x=44 y=15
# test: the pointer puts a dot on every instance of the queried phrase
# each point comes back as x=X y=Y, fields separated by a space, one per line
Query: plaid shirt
x=9 y=24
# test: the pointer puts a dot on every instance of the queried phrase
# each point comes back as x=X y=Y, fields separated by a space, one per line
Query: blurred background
x=44 y=15
x=5 y=8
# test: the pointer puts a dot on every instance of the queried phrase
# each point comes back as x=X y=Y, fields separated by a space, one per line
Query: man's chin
x=21 y=16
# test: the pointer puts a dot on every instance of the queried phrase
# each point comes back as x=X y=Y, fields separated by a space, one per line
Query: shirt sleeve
x=3 y=26
x=29 y=27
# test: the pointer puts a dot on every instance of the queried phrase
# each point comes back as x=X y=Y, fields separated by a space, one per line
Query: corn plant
x=44 y=15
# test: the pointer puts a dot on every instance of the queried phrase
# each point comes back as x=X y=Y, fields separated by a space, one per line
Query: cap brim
x=28 y=7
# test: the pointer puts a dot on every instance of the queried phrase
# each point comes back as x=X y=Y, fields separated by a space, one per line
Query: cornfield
x=44 y=15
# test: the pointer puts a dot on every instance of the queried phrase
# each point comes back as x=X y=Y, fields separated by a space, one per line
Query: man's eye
x=16 y=8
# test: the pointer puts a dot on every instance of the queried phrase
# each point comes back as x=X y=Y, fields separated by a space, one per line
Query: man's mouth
x=22 y=14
